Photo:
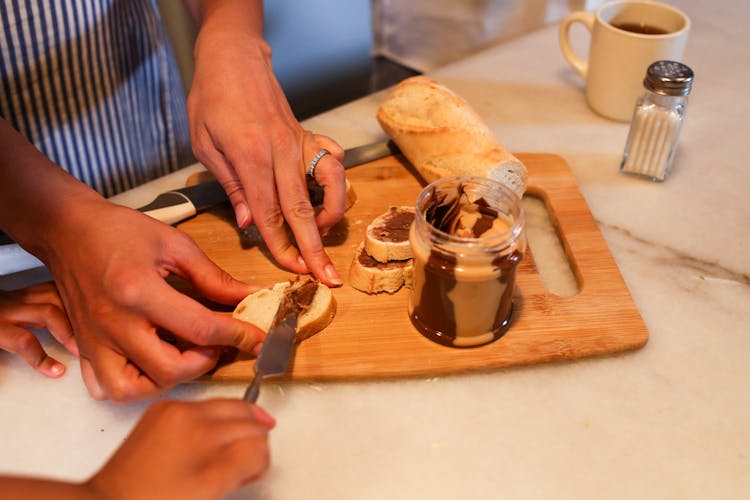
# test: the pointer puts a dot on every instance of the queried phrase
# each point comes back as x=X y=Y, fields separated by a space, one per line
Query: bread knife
x=180 y=204
x=369 y=152
x=174 y=206
x=177 y=205
x=273 y=359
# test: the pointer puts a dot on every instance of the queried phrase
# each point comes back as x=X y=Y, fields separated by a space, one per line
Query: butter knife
x=274 y=355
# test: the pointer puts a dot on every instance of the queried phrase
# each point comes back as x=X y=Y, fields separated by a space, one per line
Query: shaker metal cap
x=668 y=78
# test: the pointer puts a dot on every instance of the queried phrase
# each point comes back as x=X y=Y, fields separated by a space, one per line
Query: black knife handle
x=5 y=239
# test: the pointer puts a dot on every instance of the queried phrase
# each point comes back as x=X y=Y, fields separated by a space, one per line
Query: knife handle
x=253 y=390
x=170 y=208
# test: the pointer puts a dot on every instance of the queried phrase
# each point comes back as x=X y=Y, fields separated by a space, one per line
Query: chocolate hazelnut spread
x=367 y=261
x=395 y=226
x=467 y=241
x=297 y=299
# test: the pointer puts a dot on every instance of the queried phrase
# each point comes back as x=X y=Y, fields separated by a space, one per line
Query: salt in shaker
x=657 y=120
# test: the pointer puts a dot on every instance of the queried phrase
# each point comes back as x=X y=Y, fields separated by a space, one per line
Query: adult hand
x=204 y=449
x=37 y=306
x=110 y=265
x=110 y=268
x=244 y=132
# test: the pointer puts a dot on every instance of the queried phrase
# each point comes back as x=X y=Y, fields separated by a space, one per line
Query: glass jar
x=657 y=120
x=462 y=293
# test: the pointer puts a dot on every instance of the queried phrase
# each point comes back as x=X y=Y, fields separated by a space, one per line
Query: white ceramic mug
x=626 y=36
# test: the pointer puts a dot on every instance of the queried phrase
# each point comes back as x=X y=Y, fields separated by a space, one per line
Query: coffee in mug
x=626 y=37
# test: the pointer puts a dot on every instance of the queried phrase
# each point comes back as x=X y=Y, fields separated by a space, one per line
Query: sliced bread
x=371 y=276
x=261 y=307
x=387 y=236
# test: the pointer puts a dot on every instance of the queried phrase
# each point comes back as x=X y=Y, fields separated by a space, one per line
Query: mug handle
x=585 y=18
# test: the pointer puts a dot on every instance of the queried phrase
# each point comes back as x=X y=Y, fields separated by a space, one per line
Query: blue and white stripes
x=94 y=85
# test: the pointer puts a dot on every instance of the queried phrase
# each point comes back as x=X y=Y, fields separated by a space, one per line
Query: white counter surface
x=671 y=420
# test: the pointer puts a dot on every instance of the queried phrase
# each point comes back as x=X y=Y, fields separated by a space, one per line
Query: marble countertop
x=671 y=420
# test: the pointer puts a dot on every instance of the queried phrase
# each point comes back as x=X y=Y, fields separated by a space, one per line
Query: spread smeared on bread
x=296 y=299
x=387 y=236
x=371 y=276
x=312 y=300
x=382 y=263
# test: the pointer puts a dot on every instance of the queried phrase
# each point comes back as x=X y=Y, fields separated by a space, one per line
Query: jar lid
x=668 y=78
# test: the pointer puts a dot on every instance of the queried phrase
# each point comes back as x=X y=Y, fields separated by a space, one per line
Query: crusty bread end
x=442 y=135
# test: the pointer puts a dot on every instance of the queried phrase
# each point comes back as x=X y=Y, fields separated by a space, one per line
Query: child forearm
x=22 y=488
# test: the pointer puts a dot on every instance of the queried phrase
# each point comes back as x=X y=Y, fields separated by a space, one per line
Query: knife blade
x=369 y=152
x=273 y=359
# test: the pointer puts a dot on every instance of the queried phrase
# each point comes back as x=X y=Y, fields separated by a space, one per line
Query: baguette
x=441 y=135
x=370 y=276
x=260 y=308
x=387 y=236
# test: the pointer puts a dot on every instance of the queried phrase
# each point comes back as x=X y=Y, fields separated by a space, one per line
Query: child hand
x=38 y=306
x=203 y=449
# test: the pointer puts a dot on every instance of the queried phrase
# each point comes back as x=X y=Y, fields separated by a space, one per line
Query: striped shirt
x=94 y=85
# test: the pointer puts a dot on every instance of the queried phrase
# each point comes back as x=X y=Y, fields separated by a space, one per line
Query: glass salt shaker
x=657 y=120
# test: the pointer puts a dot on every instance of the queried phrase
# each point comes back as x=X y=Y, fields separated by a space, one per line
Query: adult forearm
x=224 y=23
x=245 y=13
x=36 y=196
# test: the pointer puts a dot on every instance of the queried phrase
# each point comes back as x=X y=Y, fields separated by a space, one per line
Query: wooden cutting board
x=371 y=335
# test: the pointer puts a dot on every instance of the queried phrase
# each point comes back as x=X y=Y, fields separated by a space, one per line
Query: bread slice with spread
x=387 y=236
x=371 y=276
x=267 y=307
x=383 y=262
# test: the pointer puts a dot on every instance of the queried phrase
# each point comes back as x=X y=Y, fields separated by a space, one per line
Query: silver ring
x=314 y=162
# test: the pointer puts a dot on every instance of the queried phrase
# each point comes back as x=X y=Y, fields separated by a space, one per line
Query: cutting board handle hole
x=554 y=263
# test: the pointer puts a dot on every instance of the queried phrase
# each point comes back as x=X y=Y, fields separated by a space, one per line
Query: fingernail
x=263 y=417
x=302 y=263
x=256 y=349
x=242 y=213
x=332 y=275
x=57 y=369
